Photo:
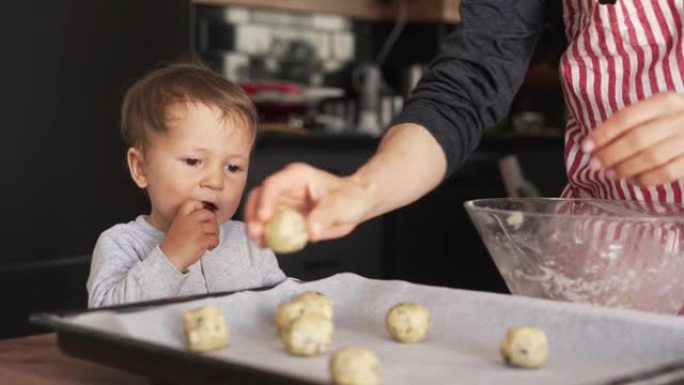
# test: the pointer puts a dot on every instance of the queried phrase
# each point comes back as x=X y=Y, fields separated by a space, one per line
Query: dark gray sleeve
x=481 y=65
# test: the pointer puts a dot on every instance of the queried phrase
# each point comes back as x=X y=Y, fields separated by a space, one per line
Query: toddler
x=190 y=133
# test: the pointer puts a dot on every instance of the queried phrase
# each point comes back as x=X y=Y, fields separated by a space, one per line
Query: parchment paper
x=588 y=344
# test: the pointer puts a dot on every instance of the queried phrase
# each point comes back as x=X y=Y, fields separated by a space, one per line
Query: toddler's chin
x=220 y=216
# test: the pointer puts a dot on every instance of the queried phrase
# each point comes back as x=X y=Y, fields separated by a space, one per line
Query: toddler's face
x=202 y=156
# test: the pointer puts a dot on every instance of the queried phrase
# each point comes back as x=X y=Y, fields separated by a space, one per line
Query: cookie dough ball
x=287 y=312
x=205 y=329
x=317 y=302
x=310 y=302
x=308 y=335
x=408 y=322
x=525 y=347
x=355 y=366
x=515 y=220
x=286 y=231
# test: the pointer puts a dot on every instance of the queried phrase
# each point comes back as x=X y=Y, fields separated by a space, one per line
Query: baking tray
x=589 y=345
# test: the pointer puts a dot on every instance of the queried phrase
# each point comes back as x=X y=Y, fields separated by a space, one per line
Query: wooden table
x=37 y=360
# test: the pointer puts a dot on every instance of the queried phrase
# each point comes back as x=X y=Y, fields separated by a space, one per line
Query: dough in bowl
x=515 y=220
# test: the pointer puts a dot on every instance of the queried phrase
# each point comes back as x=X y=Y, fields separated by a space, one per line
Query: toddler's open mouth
x=209 y=206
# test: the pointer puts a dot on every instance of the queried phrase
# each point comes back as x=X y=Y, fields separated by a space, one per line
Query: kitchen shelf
x=446 y=11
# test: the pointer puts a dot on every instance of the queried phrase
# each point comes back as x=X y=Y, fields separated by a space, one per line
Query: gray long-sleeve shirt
x=128 y=266
x=481 y=65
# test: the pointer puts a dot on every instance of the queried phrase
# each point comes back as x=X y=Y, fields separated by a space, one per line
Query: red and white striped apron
x=617 y=55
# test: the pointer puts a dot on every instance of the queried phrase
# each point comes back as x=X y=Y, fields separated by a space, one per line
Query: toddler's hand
x=193 y=231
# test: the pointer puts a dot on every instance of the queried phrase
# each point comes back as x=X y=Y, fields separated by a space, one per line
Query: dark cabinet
x=431 y=241
x=65 y=68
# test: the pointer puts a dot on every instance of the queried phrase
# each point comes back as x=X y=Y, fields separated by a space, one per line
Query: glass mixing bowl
x=611 y=253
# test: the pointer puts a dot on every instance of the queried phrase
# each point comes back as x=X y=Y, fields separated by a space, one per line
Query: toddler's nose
x=213 y=180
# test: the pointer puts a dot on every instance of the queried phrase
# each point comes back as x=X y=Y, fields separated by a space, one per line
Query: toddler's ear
x=136 y=165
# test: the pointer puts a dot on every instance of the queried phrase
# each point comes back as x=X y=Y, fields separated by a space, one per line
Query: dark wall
x=65 y=66
x=433 y=240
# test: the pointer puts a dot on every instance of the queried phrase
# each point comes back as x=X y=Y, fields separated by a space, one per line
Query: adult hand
x=194 y=230
x=644 y=142
x=333 y=205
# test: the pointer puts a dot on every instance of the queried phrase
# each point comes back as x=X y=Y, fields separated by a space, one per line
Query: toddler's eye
x=234 y=168
x=191 y=161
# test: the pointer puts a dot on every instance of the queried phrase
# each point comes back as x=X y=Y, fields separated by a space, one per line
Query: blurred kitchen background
x=327 y=76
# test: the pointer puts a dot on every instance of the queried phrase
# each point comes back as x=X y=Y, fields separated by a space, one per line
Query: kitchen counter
x=37 y=360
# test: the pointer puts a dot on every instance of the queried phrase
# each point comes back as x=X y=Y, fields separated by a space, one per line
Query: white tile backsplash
x=253 y=39
x=236 y=66
x=266 y=35
x=269 y=17
x=236 y=15
x=301 y=20
x=332 y=65
x=271 y=64
x=343 y=46
x=287 y=34
x=282 y=18
x=322 y=43
x=329 y=22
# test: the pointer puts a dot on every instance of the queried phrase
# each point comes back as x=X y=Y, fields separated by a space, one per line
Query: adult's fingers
x=629 y=117
x=657 y=155
x=251 y=204
x=254 y=226
x=666 y=173
x=293 y=177
x=639 y=139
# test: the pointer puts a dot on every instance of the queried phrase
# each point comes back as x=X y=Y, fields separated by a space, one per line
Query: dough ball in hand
x=286 y=231
x=205 y=329
x=408 y=322
x=308 y=335
x=525 y=347
x=355 y=366
x=309 y=302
